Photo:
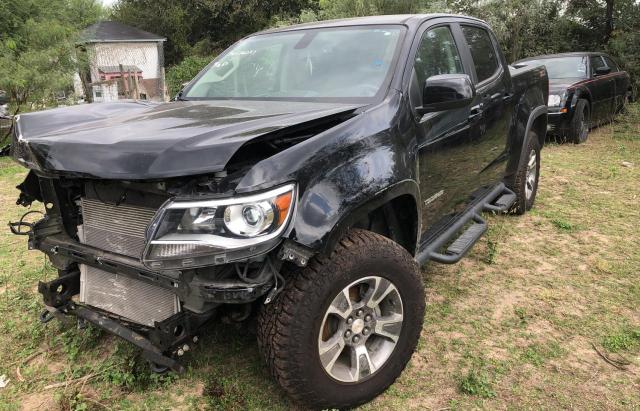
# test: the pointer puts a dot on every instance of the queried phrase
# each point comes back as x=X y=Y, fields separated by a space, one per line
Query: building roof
x=116 y=32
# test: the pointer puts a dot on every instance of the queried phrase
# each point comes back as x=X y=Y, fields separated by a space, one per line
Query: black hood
x=559 y=85
x=136 y=140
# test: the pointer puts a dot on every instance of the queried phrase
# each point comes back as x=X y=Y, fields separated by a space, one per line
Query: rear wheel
x=626 y=101
x=525 y=182
x=345 y=327
x=579 y=130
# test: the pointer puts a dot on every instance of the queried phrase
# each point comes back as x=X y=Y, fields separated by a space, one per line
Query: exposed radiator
x=121 y=229
x=132 y=299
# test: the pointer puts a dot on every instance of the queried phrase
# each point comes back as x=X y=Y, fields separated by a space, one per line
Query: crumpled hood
x=140 y=140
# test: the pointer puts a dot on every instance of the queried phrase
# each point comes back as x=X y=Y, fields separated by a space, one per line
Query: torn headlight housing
x=188 y=234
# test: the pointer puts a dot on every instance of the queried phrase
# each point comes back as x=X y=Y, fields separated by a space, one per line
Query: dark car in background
x=585 y=90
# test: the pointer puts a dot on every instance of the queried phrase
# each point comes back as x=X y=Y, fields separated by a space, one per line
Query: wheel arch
x=537 y=122
x=393 y=213
x=584 y=94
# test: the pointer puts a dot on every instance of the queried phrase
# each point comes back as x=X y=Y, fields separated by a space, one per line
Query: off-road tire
x=288 y=328
x=518 y=182
x=581 y=118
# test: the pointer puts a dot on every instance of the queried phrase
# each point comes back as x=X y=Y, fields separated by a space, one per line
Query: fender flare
x=535 y=114
x=403 y=187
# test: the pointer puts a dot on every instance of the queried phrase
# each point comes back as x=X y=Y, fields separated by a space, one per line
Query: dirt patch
x=39 y=401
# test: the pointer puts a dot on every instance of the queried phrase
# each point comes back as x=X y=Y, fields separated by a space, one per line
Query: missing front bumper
x=151 y=350
x=163 y=341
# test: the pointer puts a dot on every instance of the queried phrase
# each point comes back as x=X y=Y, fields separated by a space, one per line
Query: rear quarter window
x=482 y=51
x=596 y=63
x=611 y=64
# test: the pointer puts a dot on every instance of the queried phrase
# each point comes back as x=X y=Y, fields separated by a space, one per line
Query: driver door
x=445 y=137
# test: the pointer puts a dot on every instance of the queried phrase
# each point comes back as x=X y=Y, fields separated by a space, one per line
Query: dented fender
x=365 y=164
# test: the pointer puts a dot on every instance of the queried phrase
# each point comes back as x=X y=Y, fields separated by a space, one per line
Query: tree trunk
x=608 y=24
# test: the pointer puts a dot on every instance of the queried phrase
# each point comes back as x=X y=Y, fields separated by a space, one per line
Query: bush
x=184 y=71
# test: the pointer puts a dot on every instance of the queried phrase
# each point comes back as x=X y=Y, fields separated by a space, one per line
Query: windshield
x=333 y=63
x=563 y=67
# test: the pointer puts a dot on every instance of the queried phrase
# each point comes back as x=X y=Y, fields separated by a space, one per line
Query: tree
x=184 y=71
x=203 y=26
x=37 y=45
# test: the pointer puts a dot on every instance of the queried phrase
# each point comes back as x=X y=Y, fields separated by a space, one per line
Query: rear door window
x=485 y=58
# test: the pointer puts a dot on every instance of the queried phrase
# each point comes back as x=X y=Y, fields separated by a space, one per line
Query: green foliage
x=537 y=354
x=625 y=339
x=476 y=382
x=523 y=28
x=537 y=27
x=37 y=45
x=217 y=23
x=562 y=224
x=184 y=71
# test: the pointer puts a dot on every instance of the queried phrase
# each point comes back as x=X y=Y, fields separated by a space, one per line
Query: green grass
x=509 y=327
x=622 y=340
x=476 y=383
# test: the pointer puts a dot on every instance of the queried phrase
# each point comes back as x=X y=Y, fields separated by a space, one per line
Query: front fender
x=529 y=108
x=351 y=215
x=577 y=94
x=343 y=172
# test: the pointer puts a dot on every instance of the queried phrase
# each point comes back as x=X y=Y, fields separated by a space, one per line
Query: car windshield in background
x=563 y=67
x=306 y=64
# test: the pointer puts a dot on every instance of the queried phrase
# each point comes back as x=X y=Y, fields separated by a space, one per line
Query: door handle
x=476 y=111
x=507 y=97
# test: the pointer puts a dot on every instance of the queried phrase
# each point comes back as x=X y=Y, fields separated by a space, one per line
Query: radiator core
x=121 y=229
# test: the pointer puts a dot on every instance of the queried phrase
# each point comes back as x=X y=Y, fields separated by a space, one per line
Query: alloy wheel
x=360 y=329
x=532 y=174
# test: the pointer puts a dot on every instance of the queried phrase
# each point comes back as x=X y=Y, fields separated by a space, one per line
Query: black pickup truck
x=302 y=178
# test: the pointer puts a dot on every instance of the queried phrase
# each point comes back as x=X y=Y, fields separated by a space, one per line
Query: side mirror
x=600 y=71
x=446 y=92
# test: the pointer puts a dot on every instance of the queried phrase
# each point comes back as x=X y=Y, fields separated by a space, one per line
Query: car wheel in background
x=345 y=327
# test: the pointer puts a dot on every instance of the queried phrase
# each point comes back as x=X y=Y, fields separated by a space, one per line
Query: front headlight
x=555 y=100
x=187 y=234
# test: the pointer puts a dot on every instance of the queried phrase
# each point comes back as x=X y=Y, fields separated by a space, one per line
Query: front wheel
x=345 y=327
x=579 y=130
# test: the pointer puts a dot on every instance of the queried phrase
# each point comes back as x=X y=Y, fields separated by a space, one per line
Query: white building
x=124 y=62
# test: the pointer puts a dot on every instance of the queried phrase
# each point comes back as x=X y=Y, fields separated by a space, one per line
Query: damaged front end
x=154 y=261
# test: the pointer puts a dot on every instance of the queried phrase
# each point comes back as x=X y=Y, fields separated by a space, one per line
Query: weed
x=562 y=224
x=623 y=340
x=536 y=354
x=476 y=382
x=521 y=314
x=492 y=251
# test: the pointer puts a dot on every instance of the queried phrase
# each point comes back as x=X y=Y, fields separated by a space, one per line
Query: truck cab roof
x=410 y=20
